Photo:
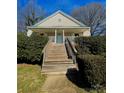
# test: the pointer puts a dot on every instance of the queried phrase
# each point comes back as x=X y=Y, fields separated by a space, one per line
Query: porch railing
x=71 y=51
x=45 y=52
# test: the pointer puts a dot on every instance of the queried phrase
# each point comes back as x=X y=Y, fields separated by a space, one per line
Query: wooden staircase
x=56 y=59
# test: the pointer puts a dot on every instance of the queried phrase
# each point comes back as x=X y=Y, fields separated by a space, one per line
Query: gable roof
x=62 y=13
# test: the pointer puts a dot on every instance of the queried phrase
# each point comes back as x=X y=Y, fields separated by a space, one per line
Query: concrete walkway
x=58 y=84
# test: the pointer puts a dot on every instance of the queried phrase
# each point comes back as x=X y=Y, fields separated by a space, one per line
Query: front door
x=59 y=37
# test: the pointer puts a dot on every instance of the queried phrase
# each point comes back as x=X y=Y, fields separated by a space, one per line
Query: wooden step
x=56 y=56
x=56 y=63
x=56 y=51
x=57 y=60
x=57 y=69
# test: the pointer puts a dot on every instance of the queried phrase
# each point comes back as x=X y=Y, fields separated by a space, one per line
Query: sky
x=51 y=6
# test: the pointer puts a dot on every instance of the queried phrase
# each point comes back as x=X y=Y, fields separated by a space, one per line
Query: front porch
x=58 y=35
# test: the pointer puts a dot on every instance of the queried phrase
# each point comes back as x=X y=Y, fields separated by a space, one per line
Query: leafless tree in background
x=20 y=21
x=29 y=15
x=92 y=15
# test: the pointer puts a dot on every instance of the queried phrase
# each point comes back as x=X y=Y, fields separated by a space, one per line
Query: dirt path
x=58 y=84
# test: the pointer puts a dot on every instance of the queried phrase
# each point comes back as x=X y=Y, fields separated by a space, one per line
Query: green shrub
x=92 y=69
x=30 y=48
x=94 y=45
x=82 y=49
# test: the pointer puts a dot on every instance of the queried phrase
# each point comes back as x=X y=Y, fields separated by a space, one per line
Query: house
x=59 y=27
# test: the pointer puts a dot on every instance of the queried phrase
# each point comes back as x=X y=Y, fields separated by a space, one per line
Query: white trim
x=73 y=19
x=63 y=36
x=55 y=35
x=47 y=27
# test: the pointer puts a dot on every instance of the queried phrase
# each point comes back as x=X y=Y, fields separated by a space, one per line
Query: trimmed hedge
x=91 y=60
x=91 y=45
x=29 y=49
x=92 y=69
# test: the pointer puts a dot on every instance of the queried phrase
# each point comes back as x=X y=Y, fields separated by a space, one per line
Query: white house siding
x=58 y=20
x=87 y=33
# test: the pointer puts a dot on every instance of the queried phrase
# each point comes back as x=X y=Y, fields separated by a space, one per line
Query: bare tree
x=30 y=14
x=20 y=21
x=92 y=15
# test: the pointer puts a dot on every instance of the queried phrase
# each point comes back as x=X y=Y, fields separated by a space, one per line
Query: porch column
x=63 y=36
x=55 y=35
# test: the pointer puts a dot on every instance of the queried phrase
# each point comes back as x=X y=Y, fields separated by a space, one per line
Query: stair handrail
x=72 y=52
x=72 y=46
x=44 y=51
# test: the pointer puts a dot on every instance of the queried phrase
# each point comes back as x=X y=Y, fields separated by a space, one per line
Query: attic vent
x=59 y=20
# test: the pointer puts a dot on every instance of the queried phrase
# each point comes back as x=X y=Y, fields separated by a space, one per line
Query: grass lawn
x=29 y=78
